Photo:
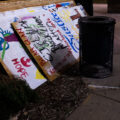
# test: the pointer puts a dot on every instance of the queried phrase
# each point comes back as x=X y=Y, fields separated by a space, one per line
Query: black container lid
x=97 y=20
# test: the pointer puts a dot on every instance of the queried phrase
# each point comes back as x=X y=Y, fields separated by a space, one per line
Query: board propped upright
x=51 y=37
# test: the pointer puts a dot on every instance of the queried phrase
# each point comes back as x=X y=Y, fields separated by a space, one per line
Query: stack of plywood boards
x=42 y=41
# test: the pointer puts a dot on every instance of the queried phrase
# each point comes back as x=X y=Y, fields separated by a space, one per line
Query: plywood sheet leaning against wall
x=13 y=57
x=52 y=37
x=17 y=62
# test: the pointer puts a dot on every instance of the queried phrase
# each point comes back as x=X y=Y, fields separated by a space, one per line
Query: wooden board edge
x=13 y=5
x=6 y=68
x=37 y=58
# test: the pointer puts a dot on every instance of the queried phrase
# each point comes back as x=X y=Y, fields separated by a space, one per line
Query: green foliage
x=14 y=95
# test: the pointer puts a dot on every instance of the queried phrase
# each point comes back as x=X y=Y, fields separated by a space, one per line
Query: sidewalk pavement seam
x=109 y=98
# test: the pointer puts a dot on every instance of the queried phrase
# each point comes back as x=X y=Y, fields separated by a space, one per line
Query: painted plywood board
x=13 y=56
x=51 y=38
x=18 y=62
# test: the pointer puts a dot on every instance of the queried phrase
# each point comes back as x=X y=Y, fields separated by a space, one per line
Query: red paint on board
x=25 y=61
x=20 y=69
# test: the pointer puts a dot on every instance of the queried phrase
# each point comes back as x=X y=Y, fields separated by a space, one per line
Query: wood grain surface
x=17 y=4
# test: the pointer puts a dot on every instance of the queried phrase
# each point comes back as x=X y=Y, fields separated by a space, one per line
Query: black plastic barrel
x=87 y=4
x=96 y=46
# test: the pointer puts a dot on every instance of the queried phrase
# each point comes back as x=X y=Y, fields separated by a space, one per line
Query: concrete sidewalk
x=103 y=104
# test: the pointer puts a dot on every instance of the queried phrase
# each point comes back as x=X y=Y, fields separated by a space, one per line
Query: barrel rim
x=97 y=20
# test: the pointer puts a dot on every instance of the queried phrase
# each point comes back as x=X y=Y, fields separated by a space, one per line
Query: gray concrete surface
x=103 y=104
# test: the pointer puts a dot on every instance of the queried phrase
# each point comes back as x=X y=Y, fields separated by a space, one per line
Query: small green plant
x=15 y=94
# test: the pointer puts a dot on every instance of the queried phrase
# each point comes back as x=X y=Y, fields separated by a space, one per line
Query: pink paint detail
x=22 y=71
x=25 y=61
x=11 y=38
x=15 y=61
x=26 y=17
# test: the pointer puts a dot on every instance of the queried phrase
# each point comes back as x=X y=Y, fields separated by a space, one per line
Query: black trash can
x=87 y=4
x=96 y=46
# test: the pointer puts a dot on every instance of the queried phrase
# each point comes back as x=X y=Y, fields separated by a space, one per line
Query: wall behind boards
x=100 y=1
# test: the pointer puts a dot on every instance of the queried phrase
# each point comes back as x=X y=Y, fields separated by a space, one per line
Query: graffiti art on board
x=55 y=7
x=4 y=45
x=50 y=41
x=68 y=35
x=41 y=39
x=65 y=15
x=25 y=61
x=67 y=20
x=20 y=64
x=15 y=19
x=71 y=16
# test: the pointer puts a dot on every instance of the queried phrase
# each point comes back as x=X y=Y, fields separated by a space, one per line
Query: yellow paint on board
x=65 y=14
x=76 y=37
x=75 y=29
x=30 y=10
x=39 y=75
